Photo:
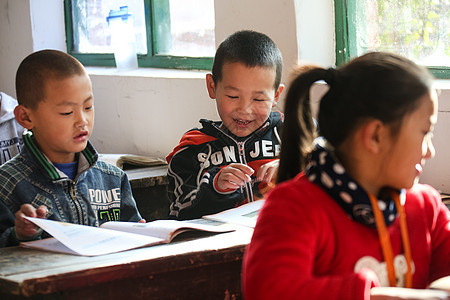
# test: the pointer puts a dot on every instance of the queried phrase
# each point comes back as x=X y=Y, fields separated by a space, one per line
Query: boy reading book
x=57 y=174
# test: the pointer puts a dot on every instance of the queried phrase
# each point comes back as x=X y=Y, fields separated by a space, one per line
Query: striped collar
x=86 y=160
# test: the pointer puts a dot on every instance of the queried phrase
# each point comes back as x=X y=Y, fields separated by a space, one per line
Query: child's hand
x=25 y=229
x=267 y=171
x=233 y=176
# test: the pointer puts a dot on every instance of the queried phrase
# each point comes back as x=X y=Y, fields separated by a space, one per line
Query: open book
x=113 y=237
x=441 y=284
x=116 y=236
x=130 y=161
x=245 y=215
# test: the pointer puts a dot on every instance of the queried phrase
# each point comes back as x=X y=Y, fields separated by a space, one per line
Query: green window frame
x=157 y=32
x=346 y=12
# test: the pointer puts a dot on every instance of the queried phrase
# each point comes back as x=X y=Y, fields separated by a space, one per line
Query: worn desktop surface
x=203 y=268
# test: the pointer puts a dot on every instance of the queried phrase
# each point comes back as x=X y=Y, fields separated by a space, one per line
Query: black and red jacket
x=203 y=153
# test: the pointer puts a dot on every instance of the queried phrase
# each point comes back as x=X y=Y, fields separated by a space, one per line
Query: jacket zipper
x=248 y=185
x=73 y=195
x=241 y=152
x=242 y=160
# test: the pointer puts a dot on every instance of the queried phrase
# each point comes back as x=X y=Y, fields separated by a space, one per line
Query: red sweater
x=305 y=247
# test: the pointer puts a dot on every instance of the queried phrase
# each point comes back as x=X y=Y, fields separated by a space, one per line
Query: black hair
x=251 y=48
x=40 y=67
x=377 y=85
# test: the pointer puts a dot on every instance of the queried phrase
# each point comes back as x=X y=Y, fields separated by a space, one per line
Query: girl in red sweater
x=348 y=213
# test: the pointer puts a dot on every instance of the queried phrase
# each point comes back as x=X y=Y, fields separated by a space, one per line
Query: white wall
x=276 y=18
x=13 y=47
x=437 y=170
x=147 y=115
x=146 y=111
x=27 y=26
x=315 y=31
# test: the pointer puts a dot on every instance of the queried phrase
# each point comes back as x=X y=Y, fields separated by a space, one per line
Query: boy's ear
x=211 y=86
x=22 y=115
x=373 y=135
x=277 y=94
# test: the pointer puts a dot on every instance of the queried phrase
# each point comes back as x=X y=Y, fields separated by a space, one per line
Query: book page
x=168 y=229
x=88 y=240
x=397 y=293
x=441 y=284
x=50 y=244
x=246 y=214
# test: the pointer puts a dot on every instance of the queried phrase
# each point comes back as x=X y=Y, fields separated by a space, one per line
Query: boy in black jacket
x=231 y=162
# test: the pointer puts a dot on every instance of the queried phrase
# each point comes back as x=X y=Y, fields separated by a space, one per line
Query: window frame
x=149 y=60
x=346 y=36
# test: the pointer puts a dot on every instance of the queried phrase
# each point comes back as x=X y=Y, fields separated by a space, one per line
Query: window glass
x=92 y=33
x=412 y=28
x=417 y=29
x=168 y=33
x=190 y=31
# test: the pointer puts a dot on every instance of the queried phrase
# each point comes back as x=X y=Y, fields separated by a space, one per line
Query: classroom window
x=417 y=29
x=168 y=33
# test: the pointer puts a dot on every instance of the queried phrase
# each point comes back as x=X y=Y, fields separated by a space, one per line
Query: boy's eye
x=65 y=113
x=259 y=100
x=232 y=97
x=89 y=107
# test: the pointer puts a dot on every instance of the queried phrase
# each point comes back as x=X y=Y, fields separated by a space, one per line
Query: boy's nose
x=82 y=120
x=245 y=105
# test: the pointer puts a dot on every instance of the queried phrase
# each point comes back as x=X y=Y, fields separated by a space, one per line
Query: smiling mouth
x=242 y=122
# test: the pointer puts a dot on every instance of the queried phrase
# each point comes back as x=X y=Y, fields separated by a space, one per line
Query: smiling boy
x=231 y=162
x=57 y=174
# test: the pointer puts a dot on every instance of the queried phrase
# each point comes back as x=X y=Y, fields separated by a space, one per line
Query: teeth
x=242 y=122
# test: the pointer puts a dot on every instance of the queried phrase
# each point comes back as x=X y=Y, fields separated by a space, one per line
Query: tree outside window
x=416 y=29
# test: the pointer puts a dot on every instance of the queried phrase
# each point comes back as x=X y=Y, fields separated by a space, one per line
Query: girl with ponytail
x=348 y=215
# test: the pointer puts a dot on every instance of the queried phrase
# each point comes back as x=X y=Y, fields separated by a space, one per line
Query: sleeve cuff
x=36 y=236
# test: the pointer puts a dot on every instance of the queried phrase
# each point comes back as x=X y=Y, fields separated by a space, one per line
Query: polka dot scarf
x=325 y=171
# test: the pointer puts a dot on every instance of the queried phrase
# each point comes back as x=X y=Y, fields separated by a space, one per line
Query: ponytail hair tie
x=330 y=76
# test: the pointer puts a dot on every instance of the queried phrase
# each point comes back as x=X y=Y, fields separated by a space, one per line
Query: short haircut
x=250 y=48
x=40 y=67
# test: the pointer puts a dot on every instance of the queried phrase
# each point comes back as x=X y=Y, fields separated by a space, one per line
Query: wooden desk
x=147 y=177
x=204 y=268
x=149 y=186
x=446 y=199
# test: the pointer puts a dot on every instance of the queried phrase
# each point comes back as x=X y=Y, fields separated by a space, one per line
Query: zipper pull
x=241 y=149
x=73 y=191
